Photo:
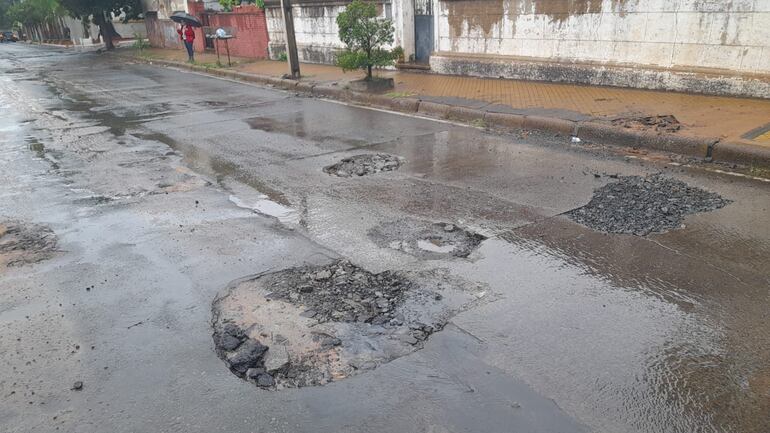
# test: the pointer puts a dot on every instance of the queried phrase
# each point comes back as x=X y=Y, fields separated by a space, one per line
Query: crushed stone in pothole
x=312 y=325
x=22 y=243
x=426 y=239
x=364 y=165
x=644 y=205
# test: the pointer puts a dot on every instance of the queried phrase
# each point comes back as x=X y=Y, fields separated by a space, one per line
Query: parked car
x=8 y=37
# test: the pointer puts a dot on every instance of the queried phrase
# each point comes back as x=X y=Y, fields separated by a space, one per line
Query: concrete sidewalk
x=739 y=126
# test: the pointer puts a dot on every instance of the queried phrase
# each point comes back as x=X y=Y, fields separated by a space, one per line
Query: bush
x=398 y=54
x=364 y=36
x=140 y=43
x=228 y=5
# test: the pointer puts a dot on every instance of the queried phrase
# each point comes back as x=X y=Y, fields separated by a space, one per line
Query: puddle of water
x=263 y=205
x=40 y=151
x=217 y=167
x=296 y=125
x=435 y=246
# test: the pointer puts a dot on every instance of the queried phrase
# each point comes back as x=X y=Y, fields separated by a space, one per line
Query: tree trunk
x=369 y=72
x=106 y=30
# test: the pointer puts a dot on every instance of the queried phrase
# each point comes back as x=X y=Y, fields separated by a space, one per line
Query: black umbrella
x=185 y=18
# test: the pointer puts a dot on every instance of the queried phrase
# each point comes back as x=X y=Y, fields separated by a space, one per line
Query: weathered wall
x=161 y=33
x=706 y=46
x=315 y=28
x=723 y=34
x=73 y=31
x=83 y=34
x=52 y=31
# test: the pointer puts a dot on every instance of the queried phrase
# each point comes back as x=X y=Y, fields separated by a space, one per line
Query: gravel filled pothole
x=311 y=325
x=364 y=165
x=644 y=205
x=426 y=239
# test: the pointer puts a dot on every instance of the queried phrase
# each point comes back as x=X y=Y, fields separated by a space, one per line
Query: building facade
x=708 y=46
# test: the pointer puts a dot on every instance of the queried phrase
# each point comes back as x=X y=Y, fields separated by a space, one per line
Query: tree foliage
x=364 y=36
x=5 y=20
x=102 y=12
x=228 y=5
x=35 y=11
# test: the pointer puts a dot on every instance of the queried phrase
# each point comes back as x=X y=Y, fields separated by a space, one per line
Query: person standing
x=187 y=34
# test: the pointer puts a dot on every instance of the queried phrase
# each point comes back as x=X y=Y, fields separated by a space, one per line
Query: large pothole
x=312 y=325
x=426 y=239
x=643 y=205
x=363 y=165
x=22 y=243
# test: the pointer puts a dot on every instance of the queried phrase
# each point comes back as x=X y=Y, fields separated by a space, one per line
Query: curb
x=706 y=148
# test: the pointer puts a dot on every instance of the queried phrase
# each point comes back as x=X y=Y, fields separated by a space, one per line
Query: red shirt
x=186 y=33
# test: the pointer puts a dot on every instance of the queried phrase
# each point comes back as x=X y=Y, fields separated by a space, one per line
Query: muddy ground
x=22 y=243
x=164 y=200
x=664 y=123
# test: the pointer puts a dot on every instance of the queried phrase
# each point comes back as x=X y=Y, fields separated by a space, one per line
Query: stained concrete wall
x=160 y=30
x=725 y=34
x=315 y=27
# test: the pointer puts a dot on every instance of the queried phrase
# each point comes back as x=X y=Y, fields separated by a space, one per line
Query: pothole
x=312 y=325
x=666 y=123
x=94 y=200
x=364 y=165
x=22 y=244
x=643 y=205
x=426 y=239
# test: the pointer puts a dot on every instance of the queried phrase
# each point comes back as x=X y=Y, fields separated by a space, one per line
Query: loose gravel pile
x=341 y=292
x=643 y=205
x=363 y=165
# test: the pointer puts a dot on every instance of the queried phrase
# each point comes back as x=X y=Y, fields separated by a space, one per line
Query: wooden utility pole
x=291 y=40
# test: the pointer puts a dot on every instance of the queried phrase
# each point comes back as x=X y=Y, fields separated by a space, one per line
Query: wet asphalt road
x=164 y=186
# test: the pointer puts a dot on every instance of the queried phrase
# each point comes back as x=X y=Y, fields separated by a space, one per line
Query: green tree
x=35 y=12
x=364 y=36
x=5 y=20
x=101 y=13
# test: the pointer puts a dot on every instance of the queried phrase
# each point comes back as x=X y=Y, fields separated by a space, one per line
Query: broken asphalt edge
x=705 y=148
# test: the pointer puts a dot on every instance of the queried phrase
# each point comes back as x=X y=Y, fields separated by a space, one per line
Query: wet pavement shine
x=163 y=187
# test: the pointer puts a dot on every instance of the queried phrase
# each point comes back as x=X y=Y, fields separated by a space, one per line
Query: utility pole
x=291 y=40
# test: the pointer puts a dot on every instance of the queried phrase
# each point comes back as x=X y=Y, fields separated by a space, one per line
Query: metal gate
x=423 y=30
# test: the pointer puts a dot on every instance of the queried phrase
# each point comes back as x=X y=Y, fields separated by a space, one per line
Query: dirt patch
x=667 y=123
x=426 y=239
x=312 y=325
x=364 y=165
x=22 y=244
x=643 y=205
